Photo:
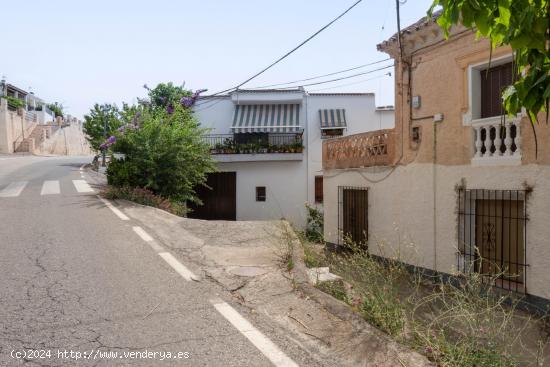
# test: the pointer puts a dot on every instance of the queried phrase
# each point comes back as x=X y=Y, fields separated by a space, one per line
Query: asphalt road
x=76 y=278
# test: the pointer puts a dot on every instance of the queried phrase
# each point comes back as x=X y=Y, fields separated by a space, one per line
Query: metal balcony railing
x=254 y=143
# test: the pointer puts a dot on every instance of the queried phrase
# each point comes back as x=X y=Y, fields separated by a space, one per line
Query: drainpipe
x=434 y=183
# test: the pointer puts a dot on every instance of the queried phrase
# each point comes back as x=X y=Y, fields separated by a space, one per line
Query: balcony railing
x=254 y=144
x=497 y=141
x=374 y=148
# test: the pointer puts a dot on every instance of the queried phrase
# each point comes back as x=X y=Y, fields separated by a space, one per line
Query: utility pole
x=103 y=110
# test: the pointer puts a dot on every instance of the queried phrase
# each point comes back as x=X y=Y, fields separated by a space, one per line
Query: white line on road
x=50 y=188
x=14 y=189
x=259 y=340
x=115 y=210
x=82 y=186
x=179 y=267
x=145 y=236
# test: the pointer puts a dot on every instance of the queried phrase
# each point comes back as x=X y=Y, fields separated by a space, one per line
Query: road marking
x=179 y=267
x=14 y=189
x=50 y=188
x=145 y=236
x=82 y=186
x=259 y=340
x=115 y=210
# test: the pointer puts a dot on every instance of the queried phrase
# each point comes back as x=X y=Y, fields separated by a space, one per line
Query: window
x=260 y=193
x=318 y=189
x=492 y=236
x=493 y=82
x=486 y=81
x=327 y=133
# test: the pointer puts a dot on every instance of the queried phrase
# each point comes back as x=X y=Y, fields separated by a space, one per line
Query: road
x=80 y=287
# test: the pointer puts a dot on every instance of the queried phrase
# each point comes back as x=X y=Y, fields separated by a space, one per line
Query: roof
x=289 y=90
x=418 y=25
x=343 y=94
x=13 y=87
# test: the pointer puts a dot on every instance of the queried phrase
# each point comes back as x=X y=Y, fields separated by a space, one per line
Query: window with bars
x=319 y=189
x=492 y=236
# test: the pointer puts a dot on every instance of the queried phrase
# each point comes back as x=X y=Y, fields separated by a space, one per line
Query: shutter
x=318 y=189
x=493 y=82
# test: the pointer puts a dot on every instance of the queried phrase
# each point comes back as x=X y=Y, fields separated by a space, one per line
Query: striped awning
x=280 y=118
x=333 y=119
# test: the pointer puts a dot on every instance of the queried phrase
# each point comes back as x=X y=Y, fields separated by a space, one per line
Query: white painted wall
x=423 y=226
x=289 y=183
x=285 y=190
x=361 y=116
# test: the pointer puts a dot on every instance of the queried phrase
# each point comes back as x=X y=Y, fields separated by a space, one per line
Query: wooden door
x=500 y=238
x=355 y=216
x=219 y=198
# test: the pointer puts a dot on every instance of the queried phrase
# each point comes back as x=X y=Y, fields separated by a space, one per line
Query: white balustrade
x=497 y=140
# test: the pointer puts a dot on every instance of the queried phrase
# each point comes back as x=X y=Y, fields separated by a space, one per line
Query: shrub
x=163 y=153
x=144 y=197
x=314 y=226
x=14 y=102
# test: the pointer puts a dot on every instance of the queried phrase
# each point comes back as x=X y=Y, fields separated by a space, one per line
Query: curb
x=343 y=311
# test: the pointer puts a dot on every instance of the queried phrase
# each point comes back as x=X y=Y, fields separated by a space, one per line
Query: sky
x=85 y=52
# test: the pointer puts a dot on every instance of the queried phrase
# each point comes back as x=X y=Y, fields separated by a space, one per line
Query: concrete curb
x=344 y=312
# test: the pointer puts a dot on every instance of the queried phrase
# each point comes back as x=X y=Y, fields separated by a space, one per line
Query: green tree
x=524 y=25
x=95 y=120
x=56 y=108
x=166 y=94
x=165 y=154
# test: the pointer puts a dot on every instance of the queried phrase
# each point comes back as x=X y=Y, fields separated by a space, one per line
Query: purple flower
x=187 y=101
x=121 y=129
x=138 y=114
x=111 y=140
x=190 y=101
x=170 y=109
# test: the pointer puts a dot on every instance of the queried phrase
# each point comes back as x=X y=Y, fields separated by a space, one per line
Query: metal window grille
x=492 y=236
x=353 y=218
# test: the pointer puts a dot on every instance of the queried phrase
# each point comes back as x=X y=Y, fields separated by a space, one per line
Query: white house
x=268 y=144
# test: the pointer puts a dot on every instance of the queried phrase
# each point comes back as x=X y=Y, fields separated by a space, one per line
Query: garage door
x=220 y=200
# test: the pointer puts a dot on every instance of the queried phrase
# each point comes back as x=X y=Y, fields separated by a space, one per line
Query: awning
x=333 y=119
x=279 y=118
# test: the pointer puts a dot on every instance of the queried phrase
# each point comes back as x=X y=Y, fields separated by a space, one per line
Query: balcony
x=375 y=148
x=255 y=146
x=497 y=141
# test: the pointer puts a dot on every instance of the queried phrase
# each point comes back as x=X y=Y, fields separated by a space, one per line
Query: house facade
x=456 y=185
x=22 y=128
x=268 y=145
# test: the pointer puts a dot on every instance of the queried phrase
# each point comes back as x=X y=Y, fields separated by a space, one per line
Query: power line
x=322 y=76
x=343 y=78
x=304 y=85
x=291 y=51
x=354 y=83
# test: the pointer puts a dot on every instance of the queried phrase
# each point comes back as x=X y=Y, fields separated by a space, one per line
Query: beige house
x=456 y=185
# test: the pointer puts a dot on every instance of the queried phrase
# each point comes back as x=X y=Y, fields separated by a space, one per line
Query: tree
x=95 y=120
x=56 y=108
x=163 y=152
x=524 y=25
x=166 y=94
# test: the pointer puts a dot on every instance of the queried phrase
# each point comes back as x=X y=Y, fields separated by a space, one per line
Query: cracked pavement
x=75 y=277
